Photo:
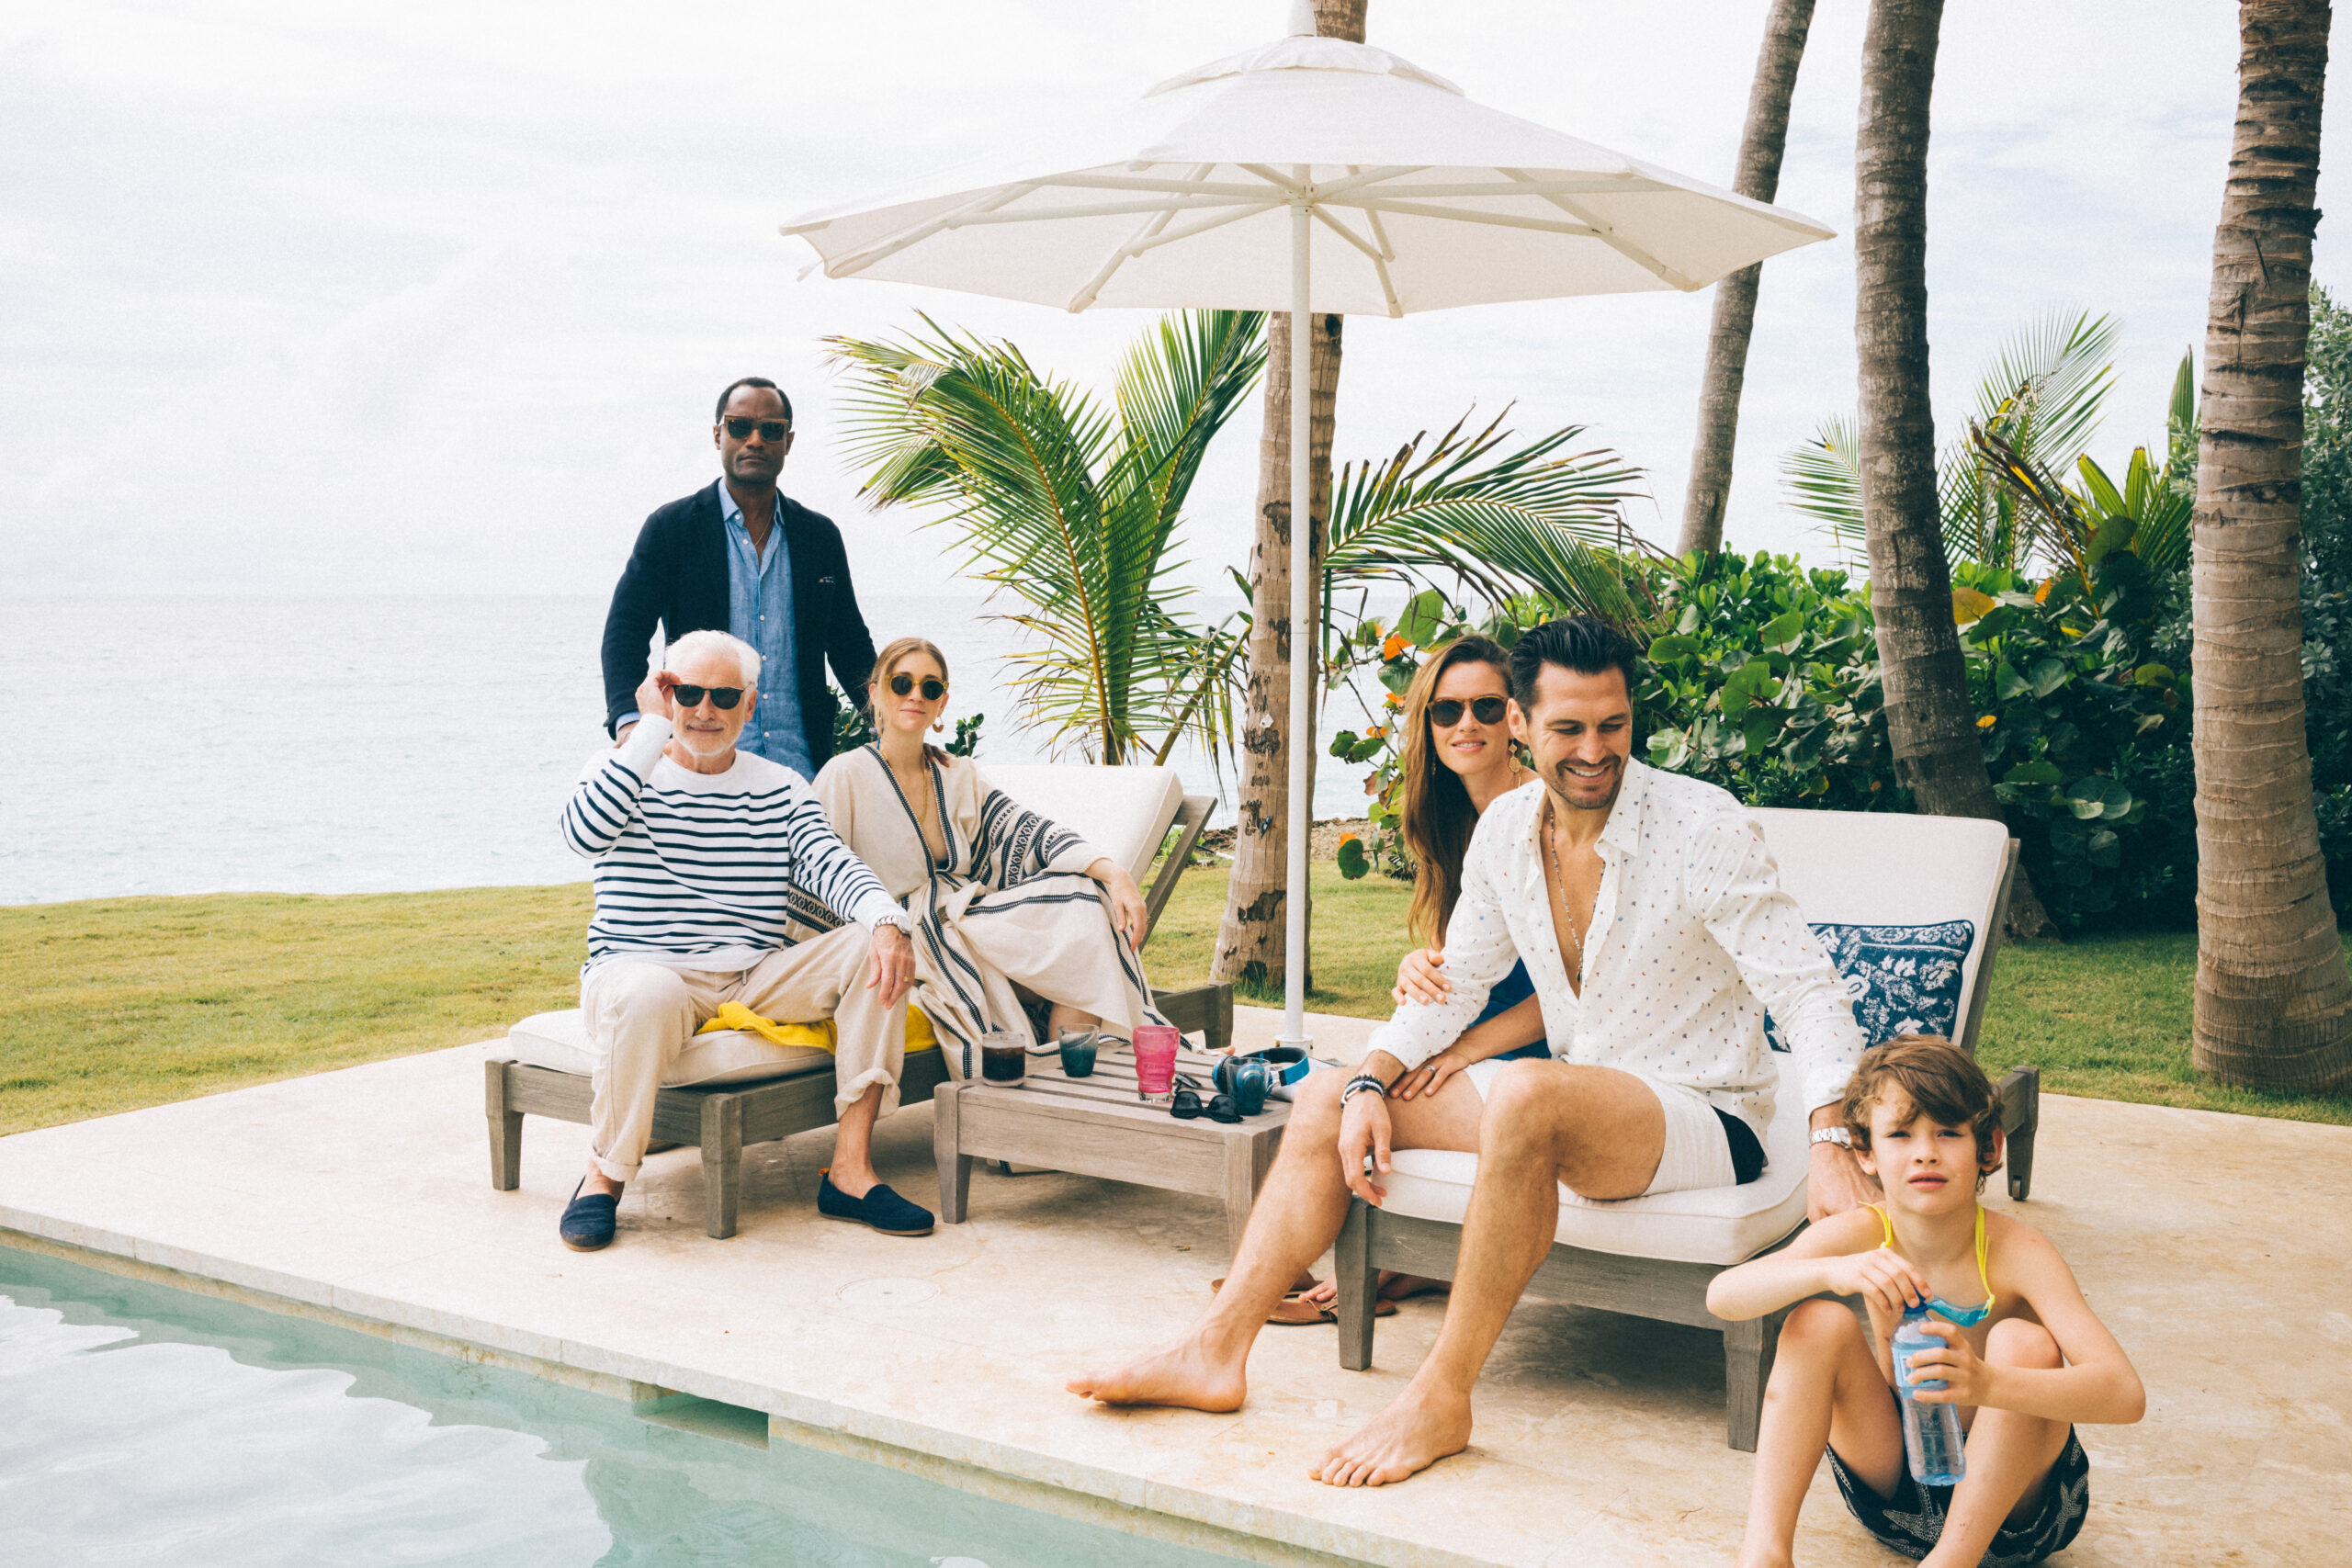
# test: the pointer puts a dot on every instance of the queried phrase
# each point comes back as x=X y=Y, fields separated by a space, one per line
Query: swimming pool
x=144 y=1425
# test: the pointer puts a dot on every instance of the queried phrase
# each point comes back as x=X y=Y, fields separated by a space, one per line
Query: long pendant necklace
x=1560 y=883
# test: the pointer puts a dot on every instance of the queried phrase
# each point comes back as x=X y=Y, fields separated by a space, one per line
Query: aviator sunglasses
x=1447 y=712
x=932 y=687
x=769 y=429
x=721 y=697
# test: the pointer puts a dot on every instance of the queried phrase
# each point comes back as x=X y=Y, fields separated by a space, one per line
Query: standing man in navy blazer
x=741 y=557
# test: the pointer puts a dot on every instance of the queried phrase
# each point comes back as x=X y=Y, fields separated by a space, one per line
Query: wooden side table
x=1096 y=1126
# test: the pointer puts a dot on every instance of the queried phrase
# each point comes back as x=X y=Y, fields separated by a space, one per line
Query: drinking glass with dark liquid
x=1004 y=1056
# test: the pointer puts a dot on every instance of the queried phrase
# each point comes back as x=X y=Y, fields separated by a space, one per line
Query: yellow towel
x=815 y=1036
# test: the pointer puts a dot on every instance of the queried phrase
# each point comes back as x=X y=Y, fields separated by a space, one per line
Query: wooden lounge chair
x=732 y=1088
x=1919 y=892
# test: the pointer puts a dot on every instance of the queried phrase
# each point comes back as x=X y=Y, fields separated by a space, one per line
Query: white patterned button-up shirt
x=1692 y=939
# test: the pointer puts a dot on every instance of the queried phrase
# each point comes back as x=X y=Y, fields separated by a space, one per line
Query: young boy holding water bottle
x=1999 y=1342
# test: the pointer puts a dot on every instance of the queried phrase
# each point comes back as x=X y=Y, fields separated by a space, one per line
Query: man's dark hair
x=1585 y=644
x=752 y=381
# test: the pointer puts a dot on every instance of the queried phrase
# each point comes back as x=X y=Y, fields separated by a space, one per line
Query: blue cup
x=1078 y=1054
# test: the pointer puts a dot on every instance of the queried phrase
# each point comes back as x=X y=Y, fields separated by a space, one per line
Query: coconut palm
x=1930 y=725
x=1762 y=139
x=1069 y=509
x=1075 y=511
x=2274 y=1003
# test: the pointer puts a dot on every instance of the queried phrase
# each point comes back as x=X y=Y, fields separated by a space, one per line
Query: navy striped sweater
x=708 y=870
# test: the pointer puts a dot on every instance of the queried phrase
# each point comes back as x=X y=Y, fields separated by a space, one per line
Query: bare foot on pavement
x=1420 y=1429
x=1184 y=1375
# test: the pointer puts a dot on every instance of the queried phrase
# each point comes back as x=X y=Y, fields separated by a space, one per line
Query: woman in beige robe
x=1011 y=907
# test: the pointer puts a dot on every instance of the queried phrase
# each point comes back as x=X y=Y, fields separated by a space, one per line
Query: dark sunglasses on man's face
x=721 y=697
x=769 y=429
x=932 y=688
x=1447 y=713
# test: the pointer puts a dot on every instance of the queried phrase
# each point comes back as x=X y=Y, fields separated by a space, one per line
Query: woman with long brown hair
x=1457 y=760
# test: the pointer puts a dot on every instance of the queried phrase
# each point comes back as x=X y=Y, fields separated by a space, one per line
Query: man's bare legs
x=1602 y=1131
x=1297 y=1217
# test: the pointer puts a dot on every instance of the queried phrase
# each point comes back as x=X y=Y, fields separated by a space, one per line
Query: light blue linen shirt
x=759 y=610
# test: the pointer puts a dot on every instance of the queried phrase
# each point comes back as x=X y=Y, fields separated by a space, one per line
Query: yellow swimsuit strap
x=1886 y=1244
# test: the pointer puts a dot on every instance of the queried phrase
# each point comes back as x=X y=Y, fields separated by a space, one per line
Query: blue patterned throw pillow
x=1903 y=979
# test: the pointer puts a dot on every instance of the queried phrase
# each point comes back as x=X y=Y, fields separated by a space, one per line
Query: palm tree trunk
x=1929 y=722
x=1761 y=142
x=2272 y=995
x=1249 y=940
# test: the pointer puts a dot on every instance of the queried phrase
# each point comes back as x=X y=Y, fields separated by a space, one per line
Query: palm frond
x=2050 y=519
x=1065 y=506
x=1498 y=522
x=2180 y=426
x=2047 y=386
x=1823 y=478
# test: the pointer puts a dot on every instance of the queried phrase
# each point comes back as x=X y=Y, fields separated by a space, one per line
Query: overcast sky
x=330 y=297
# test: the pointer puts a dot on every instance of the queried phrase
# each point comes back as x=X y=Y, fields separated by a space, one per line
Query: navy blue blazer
x=676 y=578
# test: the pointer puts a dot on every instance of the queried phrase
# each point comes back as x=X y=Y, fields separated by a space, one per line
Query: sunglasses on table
x=769 y=429
x=721 y=697
x=1447 y=713
x=932 y=687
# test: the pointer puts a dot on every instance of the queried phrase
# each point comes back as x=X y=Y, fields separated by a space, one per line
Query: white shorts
x=1698 y=1151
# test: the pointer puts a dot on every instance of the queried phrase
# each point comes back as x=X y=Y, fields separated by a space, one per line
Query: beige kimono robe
x=1007 y=904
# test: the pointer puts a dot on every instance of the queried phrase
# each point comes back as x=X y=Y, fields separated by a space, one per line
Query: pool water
x=145 y=1425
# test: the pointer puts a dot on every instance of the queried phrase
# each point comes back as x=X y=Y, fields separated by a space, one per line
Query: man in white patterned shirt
x=701 y=850
x=1652 y=921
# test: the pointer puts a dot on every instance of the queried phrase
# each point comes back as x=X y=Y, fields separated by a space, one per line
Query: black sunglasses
x=932 y=687
x=1447 y=713
x=721 y=697
x=769 y=429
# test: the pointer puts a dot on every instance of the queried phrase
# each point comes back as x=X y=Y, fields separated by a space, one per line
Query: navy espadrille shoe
x=588 y=1222
x=880 y=1208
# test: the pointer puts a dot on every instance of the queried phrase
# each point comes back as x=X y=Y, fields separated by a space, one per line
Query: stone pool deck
x=2217 y=1247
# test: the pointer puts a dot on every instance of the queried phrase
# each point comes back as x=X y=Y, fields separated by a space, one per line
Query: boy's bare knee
x=2014 y=1342
x=1819 y=1325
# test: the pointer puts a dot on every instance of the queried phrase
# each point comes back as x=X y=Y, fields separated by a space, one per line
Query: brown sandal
x=1295 y=1311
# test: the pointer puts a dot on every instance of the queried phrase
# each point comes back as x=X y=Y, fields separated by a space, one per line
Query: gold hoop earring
x=938 y=726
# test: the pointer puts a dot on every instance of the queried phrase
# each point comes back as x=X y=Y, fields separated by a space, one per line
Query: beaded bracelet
x=1360 y=1083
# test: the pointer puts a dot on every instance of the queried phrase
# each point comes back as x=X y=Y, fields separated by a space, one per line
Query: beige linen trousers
x=640 y=1016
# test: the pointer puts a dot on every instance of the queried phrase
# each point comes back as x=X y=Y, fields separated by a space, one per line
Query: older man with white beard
x=699 y=849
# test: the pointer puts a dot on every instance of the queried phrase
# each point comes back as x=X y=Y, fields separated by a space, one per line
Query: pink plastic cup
x=1156 y=1063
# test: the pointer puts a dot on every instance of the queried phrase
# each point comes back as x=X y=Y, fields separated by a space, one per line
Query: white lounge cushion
x=560 y=1040
x=1124 y=812
x=1707 y=1225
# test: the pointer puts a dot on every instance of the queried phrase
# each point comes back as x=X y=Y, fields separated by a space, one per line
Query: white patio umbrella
x=1207 y=192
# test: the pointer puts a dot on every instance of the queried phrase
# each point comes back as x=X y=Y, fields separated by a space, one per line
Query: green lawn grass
x=114 y=1004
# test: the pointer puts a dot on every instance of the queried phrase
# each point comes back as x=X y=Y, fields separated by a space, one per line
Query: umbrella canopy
x=1424 y=199
x=1209 y=191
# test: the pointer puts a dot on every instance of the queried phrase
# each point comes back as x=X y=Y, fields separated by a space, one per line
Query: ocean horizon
x=371 y=744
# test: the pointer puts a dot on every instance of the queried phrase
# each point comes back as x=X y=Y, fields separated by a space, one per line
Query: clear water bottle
x=1930 y=1432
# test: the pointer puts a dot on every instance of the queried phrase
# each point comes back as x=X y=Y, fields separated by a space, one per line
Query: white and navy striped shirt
x=704 y=871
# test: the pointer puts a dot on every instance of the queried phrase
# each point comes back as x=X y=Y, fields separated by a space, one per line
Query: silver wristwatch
x=1838 y=1136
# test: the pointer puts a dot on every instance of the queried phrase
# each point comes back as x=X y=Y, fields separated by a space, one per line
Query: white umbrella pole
x=1306 y=637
